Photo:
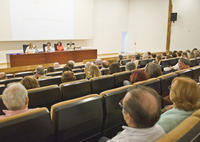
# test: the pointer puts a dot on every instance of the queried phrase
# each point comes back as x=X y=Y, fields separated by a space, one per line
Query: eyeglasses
x=121 y=105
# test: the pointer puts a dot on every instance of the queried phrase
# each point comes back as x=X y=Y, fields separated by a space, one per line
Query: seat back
x=2 y=87
x=104 y=71
x=113 y=118
x=55 y=47
x=165 y=81
x=80 y=75
x=6 y=81
x=44 y=45
x=100 y=84
x=49 y=81
x=150 y=60
x=78 y=119
x=2 y=106
x=124 y=61
x=78 y=70
x=193 y=62
x=122 y=68
x=58 y=69
x=79 y=66
x=24 y=47
x=10 y=76
x=44 y=96
x=142 y=63
x=23 y=74
x=120 y=77
x=54 y=73
x=173 y=61
x=186 y=72
x=164 y=63
x=196 y=72
x=34 y=125
x=75 y=89
x=198 y=60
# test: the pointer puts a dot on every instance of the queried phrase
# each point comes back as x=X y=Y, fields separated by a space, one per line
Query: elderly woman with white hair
x=15 y=98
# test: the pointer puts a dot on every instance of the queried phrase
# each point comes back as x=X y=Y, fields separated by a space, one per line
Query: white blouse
x=50 y=49
x=30 y=50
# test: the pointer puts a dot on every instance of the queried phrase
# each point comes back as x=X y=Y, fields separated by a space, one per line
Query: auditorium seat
x=113 y=118
x=44 y=45
x=50 y=81
x=120 y=77
x=78 y=70
x=2 y=106
x=55 y=47
x=198 y=60
x=44 y=96
x=24 y=47
x=153 y=83
x=122 y=68
x=186 y=73
x=79 y=66
x=80 y=75
x=142 y=63
x=10 y=76
x=2 y=87
x=173 y=61
x=78 y=120
x=100 y=84
x=104 y=71
x=58 y=69
x=10 y=80
x=124 y=61
x=193 y=62
x=196 y=72
x=150 y=60
x=23 y=74
x=54 y=73
x=34 y=125
x=164 y=63
x=75 y=89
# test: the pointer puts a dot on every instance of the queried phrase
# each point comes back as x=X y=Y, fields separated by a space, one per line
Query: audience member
x=87 y=67
x=105 y=64
x=120 y=57
x=137 y=75
x=56 y=65
x=183 y=63
x=144 y=57
x=170 y=53
x=68 y=76
x=178 y=54
x=60 y=47
x=15 y=98
x=180 y=51
x=184 y=54
x=184 y=93
x=191 y=55
x=130 y=66
x=137 y=58
x=174 y=55
x=50 y=69
x=30 y=82
x=114 y=68
x=174 y=51
x=3 y=76
x=149 y=54
x=153 y=56
x=94 y=71
x=67 y=68
x=158 y=59
x=141 y=111
x=40 y=72
x=71 y=64
x=153 y=70
x=196 y=53
x=164 y=54
x=98 y=61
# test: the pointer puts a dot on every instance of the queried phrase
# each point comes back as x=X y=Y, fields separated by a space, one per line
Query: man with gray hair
x=40 y=72
x=183 y=63
x=144 y=57
x=105 y=64
x=130 y=66
x=87 y=67
x=15 y=98
x=3 y=76
x=98 y=61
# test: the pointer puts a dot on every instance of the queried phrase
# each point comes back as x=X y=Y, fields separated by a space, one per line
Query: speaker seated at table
x=47 y=47
x=70 y=45
x=59 y=46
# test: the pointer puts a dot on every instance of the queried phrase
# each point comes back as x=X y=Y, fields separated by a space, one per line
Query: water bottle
x=80 y=47
x=36 y=50
x=49 y=49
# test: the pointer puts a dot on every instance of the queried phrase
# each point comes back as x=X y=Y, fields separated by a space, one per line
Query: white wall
x=147 y=25
x=186 y=30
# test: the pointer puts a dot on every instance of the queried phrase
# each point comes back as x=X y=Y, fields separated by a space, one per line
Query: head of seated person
x=130 y=66
x=56 y=65
x=105 y=64
x=149 y=54
x=30 y=82
x=120 y=57
x=153 y=70
x=144 y=57
x=67 y=68
x=68 y=76
x=196 y=53
x=39 y=72
x=164 y=54
x=71 y=64
x=98 y=61
x=94 y=71
x=138 y=75
x=3 y=76
x=184 y=93
x=114 y=68
x=153 y=56
x=50 y=69
x=168 y=57
x=158 y=59
x=184 y=54
x=183 y=63
x=15 y=98
x=137 y=56
x=174 y=55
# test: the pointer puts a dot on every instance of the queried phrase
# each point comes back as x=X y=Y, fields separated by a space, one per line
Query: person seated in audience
x=153 y=56
x=174 y=55
x=105 y=64
x=178 y=54
x=141 y=110
x=40 y=72
x=191 y=55
x=170 y=53
x=71 y=63
x=68 y=76
x=30 y=49
x=158 y=59
x=144 y=57
x=184 y=93
x=174 y=51
x=114 y=68
x=153 y=70
x=94 y=71
x=149 y=54
x=67 y=68
x=15 y=98
x=30 y=82
x=50 y=69
x=196 y=53
x=48 y=48
x=183 y=63
x=86 y=70
x=137 y=58
x=184 y=54
x=168 y=57
x=60 y=47
x=130 y=66
x=164 y=54
x=56 y=65
x=3 y=76
x=119 y=59
x=98 y=61
x=136 y=75
x=70 y=46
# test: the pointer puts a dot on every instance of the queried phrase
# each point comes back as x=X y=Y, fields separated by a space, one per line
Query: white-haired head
x=56 y=65
x=71 y=61
x=15 y=97
x=144 y=56
x=87 y=66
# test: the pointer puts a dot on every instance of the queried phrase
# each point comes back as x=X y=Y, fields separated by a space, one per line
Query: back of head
x=87 y=66
x=68 y=76
x=184 y=54
x=170 y=53
x=114 y=68
x=30 y=82
x=174 y=55
x=94 y=71
x=164 y=54
x=67 y=68
x=185 y=61
x=98 y=61
x=120 y=57
x=144 y=56
x=168 y=57
x=191 y=55
x=178 y=54
x=71 y=63
x=50 y=69
x=196 y=53
x=2 y=76
x=56 y=65
x=130 y=66
x=153 y=55
x=159 y=58
x=153 y=70
x=149 y=53
x=143 y=105
x=14 y=96
x=137 y=56
x=138 y=75
x=40 y=70
x=105 y=64
x=185 y=93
